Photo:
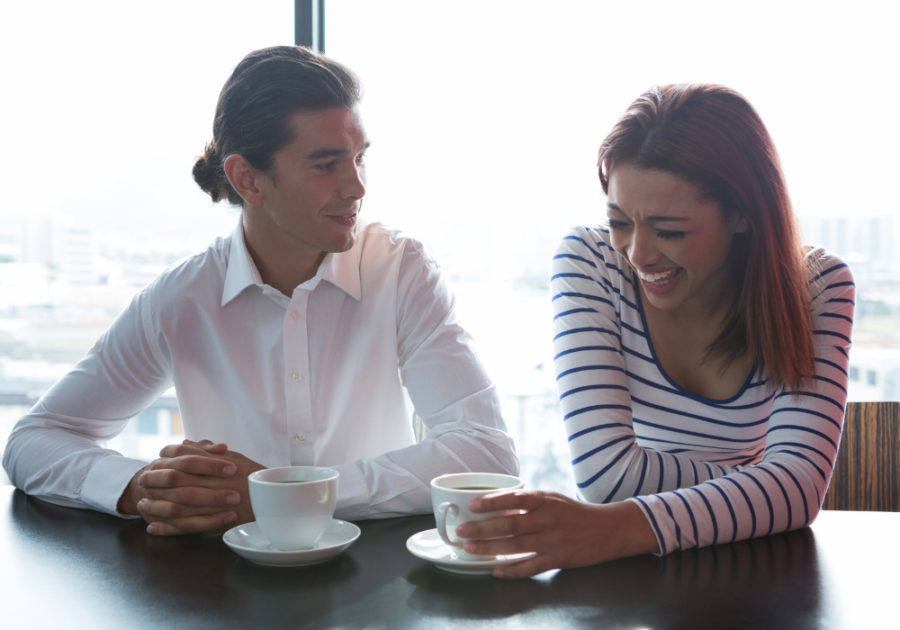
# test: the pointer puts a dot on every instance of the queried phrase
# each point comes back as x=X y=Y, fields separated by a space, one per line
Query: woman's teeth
x=663 y=277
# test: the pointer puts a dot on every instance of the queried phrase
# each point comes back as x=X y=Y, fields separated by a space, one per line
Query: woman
x=700 y=351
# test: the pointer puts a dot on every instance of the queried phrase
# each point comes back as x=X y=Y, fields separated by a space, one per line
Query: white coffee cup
x=293 y=505
x=450 y=497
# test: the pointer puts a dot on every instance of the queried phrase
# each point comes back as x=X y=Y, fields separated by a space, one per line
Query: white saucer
x=429 y=546
x=248 y=542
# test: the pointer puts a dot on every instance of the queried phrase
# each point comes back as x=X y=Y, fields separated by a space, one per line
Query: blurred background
x=485 y=118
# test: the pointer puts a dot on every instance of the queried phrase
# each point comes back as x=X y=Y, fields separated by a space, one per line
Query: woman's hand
x=563 y=532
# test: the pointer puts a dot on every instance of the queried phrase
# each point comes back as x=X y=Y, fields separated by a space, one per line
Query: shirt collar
x=343 y=272
x=341 y=269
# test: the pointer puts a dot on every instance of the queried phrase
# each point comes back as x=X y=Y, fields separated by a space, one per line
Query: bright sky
x=96 y=90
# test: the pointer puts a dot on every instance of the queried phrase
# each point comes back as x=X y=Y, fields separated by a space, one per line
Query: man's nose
x=353 y=185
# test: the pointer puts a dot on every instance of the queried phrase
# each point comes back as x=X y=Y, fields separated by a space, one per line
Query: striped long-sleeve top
x=703 y=471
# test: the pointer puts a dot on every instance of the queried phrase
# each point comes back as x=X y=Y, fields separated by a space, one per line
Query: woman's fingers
x=493 y=527
x=532 y=566
x=195 y=496
x=517 y=500
x=504 y=546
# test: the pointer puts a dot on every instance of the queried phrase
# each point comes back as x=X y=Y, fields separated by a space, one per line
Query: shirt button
x=300 y=437
x=297 y=376
x=295 y=315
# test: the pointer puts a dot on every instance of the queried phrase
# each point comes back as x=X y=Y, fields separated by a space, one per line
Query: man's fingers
x=208 y=446
x=172 y=478
x=192 y=525
x=195 y=496
x=516 y=500
x=200 y=465
x=153 y=509
x=180 y=450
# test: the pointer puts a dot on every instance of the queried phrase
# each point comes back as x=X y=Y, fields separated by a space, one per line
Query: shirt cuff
x=353 y=494
x=661 y=544
x=106 y=481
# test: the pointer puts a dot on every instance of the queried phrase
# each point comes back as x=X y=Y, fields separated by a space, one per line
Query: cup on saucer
x=450 y=497
x=293 y=505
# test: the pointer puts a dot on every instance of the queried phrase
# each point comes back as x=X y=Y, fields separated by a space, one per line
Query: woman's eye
x=666 y=235
x=612 y=224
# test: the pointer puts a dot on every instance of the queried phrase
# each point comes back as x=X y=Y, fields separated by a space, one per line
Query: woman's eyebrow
x=654 y=218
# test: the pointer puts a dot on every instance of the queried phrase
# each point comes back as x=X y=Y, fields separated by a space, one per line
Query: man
x=292 y=340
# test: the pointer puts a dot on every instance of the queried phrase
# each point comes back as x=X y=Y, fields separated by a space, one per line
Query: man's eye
x=612 y=224
x=361 y=159
x=666 y=235
x=324 y=167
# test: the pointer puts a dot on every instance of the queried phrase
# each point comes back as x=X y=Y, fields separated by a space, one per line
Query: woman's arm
x=782 y=492
x=785 y=490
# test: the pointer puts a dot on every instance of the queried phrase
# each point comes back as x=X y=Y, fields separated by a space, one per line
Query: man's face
x=313 y=193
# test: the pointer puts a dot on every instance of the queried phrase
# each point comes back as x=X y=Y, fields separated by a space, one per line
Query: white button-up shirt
x=323 y=377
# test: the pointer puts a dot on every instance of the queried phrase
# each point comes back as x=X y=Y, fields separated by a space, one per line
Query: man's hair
x=266 y=87
x=711 y=136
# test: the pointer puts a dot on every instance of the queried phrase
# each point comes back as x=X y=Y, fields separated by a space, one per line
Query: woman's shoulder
x=825 y=269
x=589 y=248
x=830 y=279
x=821 y=263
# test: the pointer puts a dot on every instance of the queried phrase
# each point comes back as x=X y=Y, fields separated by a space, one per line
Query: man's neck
x=281 y=264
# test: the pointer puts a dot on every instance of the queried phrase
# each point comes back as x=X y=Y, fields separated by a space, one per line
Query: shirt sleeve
x=54 y=451
x=783 y=491
x=452 y=394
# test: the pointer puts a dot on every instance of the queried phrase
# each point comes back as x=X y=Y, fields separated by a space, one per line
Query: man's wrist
x=132 y=494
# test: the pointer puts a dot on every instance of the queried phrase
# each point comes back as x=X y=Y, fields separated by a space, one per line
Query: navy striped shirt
x=703 y=471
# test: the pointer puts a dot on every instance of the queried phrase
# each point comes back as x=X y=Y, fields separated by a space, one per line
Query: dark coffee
x=476 y=488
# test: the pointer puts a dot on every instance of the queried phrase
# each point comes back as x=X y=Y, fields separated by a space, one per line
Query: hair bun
x=207 y=173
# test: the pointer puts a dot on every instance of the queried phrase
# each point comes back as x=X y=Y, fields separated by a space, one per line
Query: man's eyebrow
x=654 y=218
x=321 y=154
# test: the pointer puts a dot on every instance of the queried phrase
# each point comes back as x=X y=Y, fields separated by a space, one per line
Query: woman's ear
x=244 y=179
x=740 y=223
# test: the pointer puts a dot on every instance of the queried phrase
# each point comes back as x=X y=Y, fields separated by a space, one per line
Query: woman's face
x=676 y=239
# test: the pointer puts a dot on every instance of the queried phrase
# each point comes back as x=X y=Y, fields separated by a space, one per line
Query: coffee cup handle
x=443 y=510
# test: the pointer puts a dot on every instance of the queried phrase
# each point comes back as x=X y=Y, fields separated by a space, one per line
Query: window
x=486 y=118
x=147 y=423
x=115 y=101
x=854 y=373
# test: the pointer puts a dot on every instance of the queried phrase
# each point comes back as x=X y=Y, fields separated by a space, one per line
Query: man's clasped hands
x=192 y=487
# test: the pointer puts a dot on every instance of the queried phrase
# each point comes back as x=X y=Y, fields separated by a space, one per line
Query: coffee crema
x=476 y=488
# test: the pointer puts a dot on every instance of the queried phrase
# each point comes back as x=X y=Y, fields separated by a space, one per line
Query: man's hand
x=192 y=487
x=565 y=533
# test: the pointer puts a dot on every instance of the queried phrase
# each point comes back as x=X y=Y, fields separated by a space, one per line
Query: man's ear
x=244 y=178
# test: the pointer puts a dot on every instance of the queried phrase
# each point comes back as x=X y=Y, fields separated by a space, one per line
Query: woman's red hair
x=711 y=136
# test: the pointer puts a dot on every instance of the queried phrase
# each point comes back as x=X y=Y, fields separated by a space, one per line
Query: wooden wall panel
x=867 y=472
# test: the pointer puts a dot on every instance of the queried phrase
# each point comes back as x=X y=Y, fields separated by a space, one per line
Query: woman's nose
x=642 y=249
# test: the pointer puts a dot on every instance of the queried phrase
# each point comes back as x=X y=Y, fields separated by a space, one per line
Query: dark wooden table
x=64 y=568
